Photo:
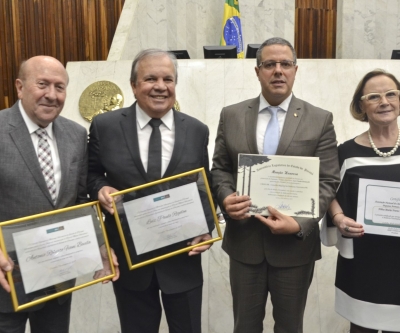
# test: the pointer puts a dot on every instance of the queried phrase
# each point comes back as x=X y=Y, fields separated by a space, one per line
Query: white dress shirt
x=264 y=116
x=51 y=139
x=167 y=129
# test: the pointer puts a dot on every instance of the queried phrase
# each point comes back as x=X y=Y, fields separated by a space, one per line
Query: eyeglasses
x=269 y=65
x=390 y=95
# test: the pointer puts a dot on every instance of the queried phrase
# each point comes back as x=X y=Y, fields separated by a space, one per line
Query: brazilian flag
x=231 y=27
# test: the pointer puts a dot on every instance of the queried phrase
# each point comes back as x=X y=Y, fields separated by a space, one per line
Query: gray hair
x=275 y=41
x=151 y=53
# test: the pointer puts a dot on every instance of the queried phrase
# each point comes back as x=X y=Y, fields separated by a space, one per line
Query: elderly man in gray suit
x=34 y=119
x=274 y=254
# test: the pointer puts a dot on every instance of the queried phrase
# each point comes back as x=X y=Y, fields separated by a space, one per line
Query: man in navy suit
x=119 y=159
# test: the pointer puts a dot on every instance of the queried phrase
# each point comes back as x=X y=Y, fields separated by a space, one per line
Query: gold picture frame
x=10 y=232
x=164 y=185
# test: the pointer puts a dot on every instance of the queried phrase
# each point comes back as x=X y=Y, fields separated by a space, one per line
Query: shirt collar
x=284 y=105
x=32 y=127
x=143 y=118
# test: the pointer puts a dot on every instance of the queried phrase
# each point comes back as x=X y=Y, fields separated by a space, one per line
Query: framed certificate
x=378 y=207
x=158 y=220
x=290 y=184
x=55 y=253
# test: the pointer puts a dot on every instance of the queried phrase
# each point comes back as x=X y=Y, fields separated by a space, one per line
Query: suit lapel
x=251 y=117
x=180 y=138
x=292 y=121
x=22 y=140
x=129 y=129
x=65 y=152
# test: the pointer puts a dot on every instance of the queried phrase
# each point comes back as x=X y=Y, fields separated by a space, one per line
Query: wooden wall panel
x=69 y=30
x=315 y=28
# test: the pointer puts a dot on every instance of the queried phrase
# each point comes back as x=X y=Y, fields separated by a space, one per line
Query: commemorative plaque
x=378 y=208
x=55 y=253
x=163 y=218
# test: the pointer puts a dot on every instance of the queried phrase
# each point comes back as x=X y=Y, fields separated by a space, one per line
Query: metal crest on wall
x=177 y=107
x=100 y=97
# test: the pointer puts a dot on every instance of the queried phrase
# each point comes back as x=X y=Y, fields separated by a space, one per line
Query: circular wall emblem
x=100 y=97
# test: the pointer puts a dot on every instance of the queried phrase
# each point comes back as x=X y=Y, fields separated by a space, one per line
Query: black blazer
x=114 y=160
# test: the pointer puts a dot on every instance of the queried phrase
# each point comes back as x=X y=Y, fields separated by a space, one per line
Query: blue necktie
x=271 y=137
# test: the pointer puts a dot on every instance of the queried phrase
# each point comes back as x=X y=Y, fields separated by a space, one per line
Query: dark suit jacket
x=310 y=133
x=23 y=190
x=114 y=160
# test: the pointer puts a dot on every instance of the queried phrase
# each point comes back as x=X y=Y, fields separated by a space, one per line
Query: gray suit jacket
x=114 y=160
x=23 y=190
x=310 y=133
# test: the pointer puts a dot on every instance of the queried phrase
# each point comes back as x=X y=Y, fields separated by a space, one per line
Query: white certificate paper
x=56 y=253
x=166 y=218
x=378 y=207
x=288 y=183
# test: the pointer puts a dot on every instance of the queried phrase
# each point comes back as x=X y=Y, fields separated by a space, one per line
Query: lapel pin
x=295 y=114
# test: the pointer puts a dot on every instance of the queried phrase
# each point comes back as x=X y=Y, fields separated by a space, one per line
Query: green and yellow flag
x=231 y=27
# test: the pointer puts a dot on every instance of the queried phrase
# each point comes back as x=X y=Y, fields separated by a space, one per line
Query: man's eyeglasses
x=390 y=95
x=285 y=64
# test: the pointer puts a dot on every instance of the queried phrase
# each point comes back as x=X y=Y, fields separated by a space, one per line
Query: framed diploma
x=55 y=253
x=288 y=183
x=160 y=219
x=378 y=207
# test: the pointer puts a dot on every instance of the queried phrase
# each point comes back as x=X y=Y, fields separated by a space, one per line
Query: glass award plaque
x=161 y=219
x=55 y=253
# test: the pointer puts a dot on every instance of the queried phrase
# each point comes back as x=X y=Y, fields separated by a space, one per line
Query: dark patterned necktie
x=46 y=162
x=155 y=150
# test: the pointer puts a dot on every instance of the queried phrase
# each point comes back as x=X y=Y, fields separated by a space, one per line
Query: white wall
x=206 y=86
x=365 y=29
x=190 y=25
x=368 y=29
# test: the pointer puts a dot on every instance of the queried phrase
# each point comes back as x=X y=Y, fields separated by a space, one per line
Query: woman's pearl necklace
x=376 y=150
